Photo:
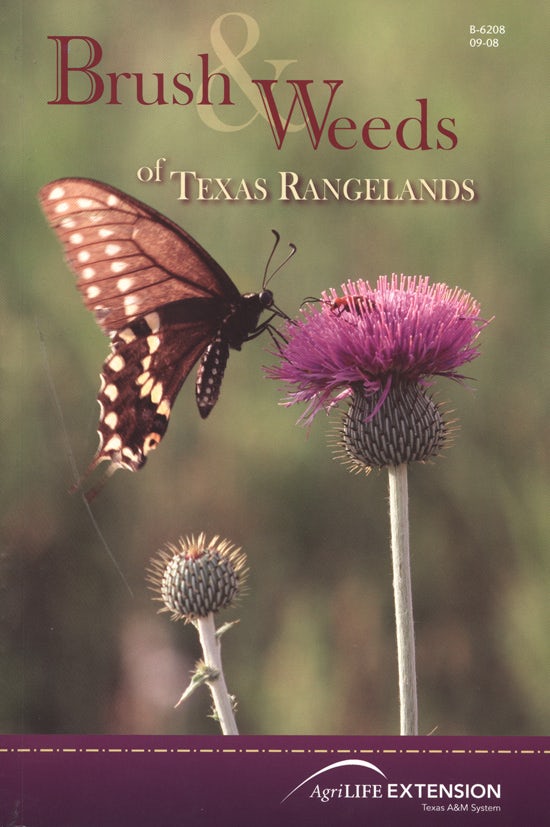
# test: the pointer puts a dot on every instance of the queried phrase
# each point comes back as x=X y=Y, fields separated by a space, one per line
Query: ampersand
x=230 y=61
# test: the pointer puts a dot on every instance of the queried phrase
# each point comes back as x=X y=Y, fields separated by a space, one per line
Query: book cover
x=376 y=140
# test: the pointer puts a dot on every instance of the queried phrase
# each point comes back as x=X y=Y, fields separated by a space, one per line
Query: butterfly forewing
x=129 y=259
x=162 y=299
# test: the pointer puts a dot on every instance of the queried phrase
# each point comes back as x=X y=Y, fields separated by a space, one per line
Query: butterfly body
x=164 y=302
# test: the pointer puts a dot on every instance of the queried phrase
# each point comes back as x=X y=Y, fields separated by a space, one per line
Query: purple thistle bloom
x=370 y=339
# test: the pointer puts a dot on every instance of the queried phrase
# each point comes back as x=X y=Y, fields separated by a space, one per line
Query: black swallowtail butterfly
x=164 y=302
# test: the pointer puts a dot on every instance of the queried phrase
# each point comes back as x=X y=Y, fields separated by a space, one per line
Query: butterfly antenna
x=267 y=278
x=72 y=462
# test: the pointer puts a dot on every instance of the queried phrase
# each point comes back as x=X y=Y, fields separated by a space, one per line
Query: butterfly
x=164 y=302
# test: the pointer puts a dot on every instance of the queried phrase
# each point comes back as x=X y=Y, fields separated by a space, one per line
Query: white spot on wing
x=83 y=256
x=156 y=393
x=119 y=266
x=93 y=291
x=113 y=249
x=153 y=320
x=143 y=377
x=111 y=391
x=111 y=420
x=124 y=284
x=131 y=305
x=164 y=408
x=116 y=363
x=57 y=192
x=84 y=203
x=127 y=335
x=147 y=387
x=114 y=444
x=153 y=343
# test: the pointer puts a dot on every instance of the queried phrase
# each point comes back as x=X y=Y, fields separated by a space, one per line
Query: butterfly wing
x=129 y=259
x=140 y=381
x=157 y=293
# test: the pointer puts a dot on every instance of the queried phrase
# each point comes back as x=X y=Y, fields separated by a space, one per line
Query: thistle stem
x=212 y=657
x=399 y=520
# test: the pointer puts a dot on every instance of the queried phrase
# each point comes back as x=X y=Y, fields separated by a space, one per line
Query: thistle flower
x=194 y=580
x=380 y=348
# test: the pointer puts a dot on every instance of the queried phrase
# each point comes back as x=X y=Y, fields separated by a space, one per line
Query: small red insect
x=357 y=304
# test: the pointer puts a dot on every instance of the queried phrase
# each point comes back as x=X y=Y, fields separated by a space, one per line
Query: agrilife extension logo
x=334 y=783
x=342 y=790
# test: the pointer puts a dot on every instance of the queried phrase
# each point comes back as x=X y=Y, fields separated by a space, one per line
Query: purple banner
x=115 y=781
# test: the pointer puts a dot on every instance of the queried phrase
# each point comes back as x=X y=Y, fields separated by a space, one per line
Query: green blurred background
x=314 y=651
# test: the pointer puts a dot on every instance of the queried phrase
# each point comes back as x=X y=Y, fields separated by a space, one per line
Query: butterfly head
x=266 y=301
x=266 y=298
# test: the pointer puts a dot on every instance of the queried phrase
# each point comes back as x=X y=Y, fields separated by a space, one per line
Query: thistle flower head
x=380 y=346
x=197 y=577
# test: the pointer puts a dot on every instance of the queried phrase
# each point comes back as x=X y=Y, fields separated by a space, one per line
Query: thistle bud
x=197 y=577
x=407 y=426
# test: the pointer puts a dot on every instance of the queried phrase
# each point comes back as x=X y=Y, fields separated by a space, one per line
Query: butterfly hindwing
x=140 y=380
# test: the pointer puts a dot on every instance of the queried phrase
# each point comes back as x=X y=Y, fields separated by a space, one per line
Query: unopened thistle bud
x=197 y=577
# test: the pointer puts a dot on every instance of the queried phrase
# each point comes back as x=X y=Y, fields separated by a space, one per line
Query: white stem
x=399 y=519
x=212 y=657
